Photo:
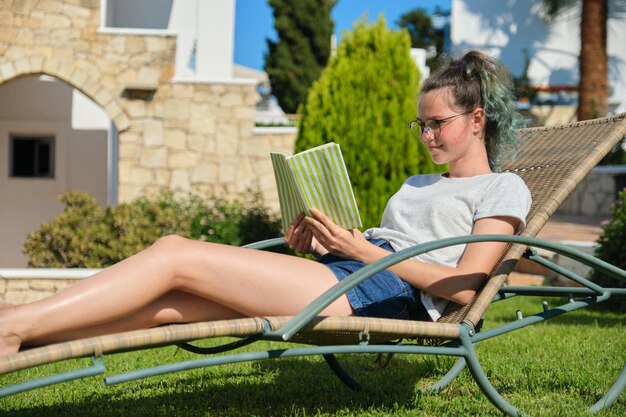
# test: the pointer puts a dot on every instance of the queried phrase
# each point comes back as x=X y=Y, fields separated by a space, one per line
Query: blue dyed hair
x=478 y=80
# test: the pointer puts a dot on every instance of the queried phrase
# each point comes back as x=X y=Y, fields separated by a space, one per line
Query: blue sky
x=254 y=22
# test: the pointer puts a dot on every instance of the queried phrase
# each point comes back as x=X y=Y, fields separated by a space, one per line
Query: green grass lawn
x=553 y=369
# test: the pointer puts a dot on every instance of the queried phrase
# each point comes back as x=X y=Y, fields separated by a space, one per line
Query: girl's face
x=448 y=133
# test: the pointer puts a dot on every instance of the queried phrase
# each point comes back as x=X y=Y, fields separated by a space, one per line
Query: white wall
x=505 y=28
x=216 y=34
x=205 y=39
x=419 y=57
x=30 y=105
x=86 y=114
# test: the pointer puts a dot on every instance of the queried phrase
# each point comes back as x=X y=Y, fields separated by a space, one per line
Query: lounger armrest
x=264 y=244
x=316 y=306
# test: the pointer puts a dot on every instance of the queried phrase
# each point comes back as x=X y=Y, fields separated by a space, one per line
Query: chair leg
x=481 y=378
x=341 y=373
x=612 y=394
x=456 y=369
x=447 y=379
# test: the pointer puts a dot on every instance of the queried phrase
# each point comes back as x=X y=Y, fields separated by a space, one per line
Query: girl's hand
x=348 y=244
x=300 y=238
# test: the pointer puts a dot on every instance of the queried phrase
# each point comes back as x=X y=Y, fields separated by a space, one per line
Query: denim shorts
x=382 y=295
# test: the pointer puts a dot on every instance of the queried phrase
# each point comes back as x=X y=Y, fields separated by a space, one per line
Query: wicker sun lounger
x=552 y=161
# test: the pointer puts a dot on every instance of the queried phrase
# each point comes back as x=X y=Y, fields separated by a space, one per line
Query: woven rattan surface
x=351 y=330
x=322 y=331
x=121 y=342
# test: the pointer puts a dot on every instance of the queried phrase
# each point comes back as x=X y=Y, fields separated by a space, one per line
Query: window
x=32 y=156
x=138 y=14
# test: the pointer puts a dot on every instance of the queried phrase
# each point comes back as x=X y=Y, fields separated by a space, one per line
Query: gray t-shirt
x=432 y=207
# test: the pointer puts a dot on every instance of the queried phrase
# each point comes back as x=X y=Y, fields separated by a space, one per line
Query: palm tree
x=593 y=87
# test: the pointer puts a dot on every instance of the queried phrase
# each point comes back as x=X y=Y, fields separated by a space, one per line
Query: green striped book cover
x=315 y=178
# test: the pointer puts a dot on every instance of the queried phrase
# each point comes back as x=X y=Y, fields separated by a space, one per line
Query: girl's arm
x=458 y=284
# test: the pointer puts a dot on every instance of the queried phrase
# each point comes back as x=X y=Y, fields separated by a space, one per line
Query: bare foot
x=9 y=345
x=9 y=341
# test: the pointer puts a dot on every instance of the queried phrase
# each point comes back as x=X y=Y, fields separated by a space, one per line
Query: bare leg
x=246 y=281
x=173 y=307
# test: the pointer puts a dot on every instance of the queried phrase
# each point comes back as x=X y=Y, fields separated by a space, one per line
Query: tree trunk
x=593 y=85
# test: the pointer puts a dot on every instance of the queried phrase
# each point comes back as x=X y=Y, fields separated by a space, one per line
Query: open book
x=315 y=178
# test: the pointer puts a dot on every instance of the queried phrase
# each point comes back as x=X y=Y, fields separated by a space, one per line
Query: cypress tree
x=296 y=60
x=363 y=101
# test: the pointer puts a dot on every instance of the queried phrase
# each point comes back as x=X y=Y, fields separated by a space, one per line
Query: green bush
x=137 y=224
x=363 y=101
x=76 y=238
x=233 y=222
x=612 y=248
x=88 y=236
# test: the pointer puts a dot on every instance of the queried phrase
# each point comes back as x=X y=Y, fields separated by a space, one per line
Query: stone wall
x=20 y=291
x=264 y=141
x=596 y=194
x=18 y=286
x=180 y=135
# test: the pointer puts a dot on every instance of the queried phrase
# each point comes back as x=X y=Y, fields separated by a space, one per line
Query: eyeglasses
x=432 y=126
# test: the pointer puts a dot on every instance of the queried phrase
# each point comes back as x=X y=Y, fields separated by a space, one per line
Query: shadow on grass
x=591 y=315
x=598 y=319
x=277 y=388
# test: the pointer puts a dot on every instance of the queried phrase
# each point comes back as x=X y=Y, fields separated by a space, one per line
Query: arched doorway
x=52 y=138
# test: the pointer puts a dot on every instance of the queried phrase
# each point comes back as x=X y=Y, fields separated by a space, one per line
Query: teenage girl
x=466 y=119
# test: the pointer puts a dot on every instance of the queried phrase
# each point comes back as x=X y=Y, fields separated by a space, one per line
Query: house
x=121 y=98
x=516 y=31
